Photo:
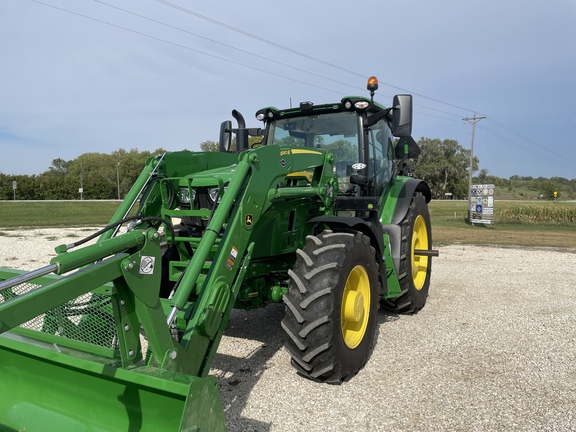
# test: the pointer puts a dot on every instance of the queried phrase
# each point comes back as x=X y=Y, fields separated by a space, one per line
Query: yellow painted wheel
x=355 y=309
x=332 y=306
x=419 y=262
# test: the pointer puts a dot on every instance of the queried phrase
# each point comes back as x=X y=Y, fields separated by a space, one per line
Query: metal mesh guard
x=87 y=318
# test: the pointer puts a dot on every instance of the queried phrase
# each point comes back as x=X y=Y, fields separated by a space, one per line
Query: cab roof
x=348 y=103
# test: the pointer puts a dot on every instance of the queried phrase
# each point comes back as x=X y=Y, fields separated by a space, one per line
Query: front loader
x=321 y=213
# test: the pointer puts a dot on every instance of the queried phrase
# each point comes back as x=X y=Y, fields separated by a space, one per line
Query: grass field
x=31 y=214
x=449 y=220
x=552 y=224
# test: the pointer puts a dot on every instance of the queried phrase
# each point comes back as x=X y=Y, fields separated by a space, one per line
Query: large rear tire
x=414 y=270
x=331 y=306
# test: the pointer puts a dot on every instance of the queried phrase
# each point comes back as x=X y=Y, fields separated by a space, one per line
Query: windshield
x=335 y=132
x=338 y=133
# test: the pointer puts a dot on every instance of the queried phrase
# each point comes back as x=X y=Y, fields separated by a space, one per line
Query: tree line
x=89 y=176
x=443 y=164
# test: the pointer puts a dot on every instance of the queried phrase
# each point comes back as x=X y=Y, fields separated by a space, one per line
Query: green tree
x=214 y=146
x=444 y=166
x=547 y=189
x=483 y=176
x=54 y=187
x=59 y=167
x=209 y=146
x=343 y=150
x=129 y=166
x=25 y=187
x=96 y=174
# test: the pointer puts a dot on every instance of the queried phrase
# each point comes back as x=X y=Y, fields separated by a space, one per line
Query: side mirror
x=402 y=115
x=225 y=135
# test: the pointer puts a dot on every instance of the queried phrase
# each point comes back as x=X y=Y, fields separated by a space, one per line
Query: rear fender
x=399 y=199
x=354 y=224
x=395 y=209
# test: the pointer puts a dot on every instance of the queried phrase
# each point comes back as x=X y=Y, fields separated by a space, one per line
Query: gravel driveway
x=494 y=349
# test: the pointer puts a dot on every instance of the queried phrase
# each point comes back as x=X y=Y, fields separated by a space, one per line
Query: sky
x=79 y=76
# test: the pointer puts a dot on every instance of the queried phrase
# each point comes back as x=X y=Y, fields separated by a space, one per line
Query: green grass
x=449 y=220
x=554 y=229
x=38 y=214
x=514 y=215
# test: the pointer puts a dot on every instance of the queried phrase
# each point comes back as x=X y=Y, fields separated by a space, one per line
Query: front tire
x=331 y=306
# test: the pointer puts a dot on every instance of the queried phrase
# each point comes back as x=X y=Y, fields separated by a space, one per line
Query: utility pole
x=474 y=120
x=81 y=190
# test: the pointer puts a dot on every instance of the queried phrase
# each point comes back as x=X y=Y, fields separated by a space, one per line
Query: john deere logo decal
x=248 y=220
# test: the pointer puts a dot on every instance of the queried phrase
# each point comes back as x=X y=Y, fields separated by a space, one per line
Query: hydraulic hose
x=117 y=224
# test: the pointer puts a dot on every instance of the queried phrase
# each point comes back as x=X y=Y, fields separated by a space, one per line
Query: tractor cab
x=357 y=131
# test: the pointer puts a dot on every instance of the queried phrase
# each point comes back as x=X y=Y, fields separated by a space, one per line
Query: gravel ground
x=494 y=349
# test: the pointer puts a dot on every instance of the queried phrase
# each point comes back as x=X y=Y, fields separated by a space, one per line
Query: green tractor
x=321 y=213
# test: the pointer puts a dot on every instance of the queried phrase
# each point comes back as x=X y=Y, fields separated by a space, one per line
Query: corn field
x=538 y=213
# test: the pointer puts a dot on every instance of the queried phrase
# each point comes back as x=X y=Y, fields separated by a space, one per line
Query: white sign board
x=481 y=204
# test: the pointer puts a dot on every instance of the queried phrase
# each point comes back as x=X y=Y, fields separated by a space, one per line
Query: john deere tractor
x=319 y=212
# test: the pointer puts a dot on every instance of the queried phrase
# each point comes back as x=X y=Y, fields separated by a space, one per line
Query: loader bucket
x=56 y=376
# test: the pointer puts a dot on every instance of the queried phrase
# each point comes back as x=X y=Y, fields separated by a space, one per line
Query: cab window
x=334 y=132
x=381 y=145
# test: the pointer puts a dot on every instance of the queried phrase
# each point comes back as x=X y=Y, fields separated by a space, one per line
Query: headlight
x=213 y=194
x=362 y=104
x=187 y=195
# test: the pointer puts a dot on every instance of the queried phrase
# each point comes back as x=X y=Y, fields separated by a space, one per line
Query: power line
x=318 y=60
x=299 y=53
x=529 y=140
x=540 y=155
x=280 y=63
x=436 y=116
x=182 y=46
x=226 y=45
x=250 y=52
x=199 y=51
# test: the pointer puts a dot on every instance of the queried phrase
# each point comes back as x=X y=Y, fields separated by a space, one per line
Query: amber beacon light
x=372 y=84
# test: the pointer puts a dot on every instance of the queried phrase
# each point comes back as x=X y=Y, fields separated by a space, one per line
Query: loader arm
x=101 y=320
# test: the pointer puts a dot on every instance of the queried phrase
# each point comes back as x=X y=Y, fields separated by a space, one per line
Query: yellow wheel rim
x=419 y=262
x=355 y=310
